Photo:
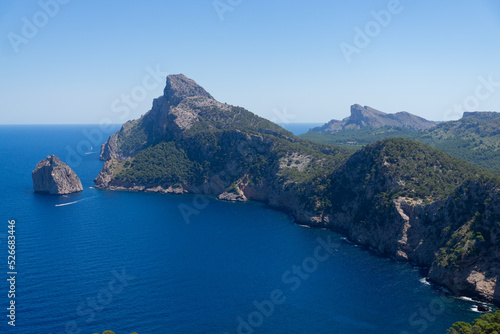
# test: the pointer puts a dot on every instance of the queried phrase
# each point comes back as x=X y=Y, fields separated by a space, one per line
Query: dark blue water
x=132 y=262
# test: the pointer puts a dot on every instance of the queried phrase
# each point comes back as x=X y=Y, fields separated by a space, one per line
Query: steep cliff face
x=409 y=201
x=397 y=195
x=469 y=261
x=184 y=110
x=189 y=142
x=362 y=117
x=54 y=177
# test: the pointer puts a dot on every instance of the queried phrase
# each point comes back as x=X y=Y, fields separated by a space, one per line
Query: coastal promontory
x=54 y=177
x=401 y=197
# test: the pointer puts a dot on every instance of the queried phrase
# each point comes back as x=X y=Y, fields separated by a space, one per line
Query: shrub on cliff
x=486 y=324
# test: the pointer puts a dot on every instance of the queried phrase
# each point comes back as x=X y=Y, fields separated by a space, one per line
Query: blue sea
x=299 y=128
x=152 y=263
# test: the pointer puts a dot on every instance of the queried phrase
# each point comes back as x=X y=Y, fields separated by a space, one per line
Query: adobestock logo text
x=30 y=27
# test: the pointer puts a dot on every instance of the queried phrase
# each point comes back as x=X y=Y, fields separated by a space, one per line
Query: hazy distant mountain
x=368 y=117
x=474 y=138
x=479 y=125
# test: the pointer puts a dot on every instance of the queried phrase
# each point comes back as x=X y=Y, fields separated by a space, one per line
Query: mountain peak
x=184 y=109
x=357 y=111
x=365 y=116
x=179 y=87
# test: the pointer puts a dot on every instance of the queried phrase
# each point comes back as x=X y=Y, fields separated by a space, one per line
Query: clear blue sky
x=274 y=58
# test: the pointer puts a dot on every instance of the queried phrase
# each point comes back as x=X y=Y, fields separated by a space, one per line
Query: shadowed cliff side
x=397 y=195
x=54 y=177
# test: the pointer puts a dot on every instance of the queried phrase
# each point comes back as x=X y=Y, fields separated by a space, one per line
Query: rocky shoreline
x=474 y=284
x=400 y=197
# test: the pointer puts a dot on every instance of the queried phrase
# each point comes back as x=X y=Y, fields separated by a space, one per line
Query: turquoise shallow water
x=103 y=260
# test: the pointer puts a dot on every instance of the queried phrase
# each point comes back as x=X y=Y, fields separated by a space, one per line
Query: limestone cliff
x=399 y=196
x=190 y=142
x=54 y=177
x=417 y=207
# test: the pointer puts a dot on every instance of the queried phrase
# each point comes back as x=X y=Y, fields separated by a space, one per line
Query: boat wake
x=74 y=202
x=69 y=203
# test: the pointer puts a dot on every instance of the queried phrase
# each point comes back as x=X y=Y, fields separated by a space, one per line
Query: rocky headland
x=401 y=197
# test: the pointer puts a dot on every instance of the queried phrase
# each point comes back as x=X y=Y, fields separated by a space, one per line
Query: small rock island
x=54 y=177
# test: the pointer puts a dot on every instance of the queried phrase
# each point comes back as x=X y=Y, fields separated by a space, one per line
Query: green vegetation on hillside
x=395 y=167
x=410 y=169
x=486 y=324
x=356 y=139
x=202 y=153
x=399 y=195
x=475 y=139
x=474 y=235
x=213 y=118
x=163 y=163
x=132 y=137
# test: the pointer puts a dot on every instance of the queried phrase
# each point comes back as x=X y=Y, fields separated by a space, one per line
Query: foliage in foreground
x=488 y=324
